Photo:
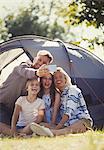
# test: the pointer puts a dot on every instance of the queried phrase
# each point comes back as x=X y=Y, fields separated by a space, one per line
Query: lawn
x=87 y=141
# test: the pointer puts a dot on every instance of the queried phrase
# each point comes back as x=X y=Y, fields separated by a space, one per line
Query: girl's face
x=33 y=87
x=47 y=81
x=60 y=80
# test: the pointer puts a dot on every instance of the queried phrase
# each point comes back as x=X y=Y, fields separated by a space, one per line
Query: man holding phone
x=14 y=86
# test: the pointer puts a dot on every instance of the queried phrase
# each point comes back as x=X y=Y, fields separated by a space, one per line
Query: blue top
x=48 y=108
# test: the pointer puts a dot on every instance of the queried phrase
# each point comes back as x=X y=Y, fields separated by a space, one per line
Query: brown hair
x=52 y=90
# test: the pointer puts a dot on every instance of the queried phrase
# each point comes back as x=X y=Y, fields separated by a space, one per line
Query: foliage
x=92 y=11
x=34 y=20
x=84 y=20
x=72 y=21
x=3 y=31
x=69 y=14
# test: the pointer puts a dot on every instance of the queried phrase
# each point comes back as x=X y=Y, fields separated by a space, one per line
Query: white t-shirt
x=29 y=111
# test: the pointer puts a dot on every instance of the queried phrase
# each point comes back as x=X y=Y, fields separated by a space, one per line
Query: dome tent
x=85 y=69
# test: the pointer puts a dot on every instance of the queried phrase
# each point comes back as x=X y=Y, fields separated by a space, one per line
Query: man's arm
x=25 y=71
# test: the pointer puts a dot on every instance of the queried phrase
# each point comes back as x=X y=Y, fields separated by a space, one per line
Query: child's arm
x=40 y=116
x=15 y=116
x=55 y=108
x=63 y=120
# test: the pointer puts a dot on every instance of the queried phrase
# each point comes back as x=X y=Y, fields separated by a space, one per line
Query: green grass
x=86 y=141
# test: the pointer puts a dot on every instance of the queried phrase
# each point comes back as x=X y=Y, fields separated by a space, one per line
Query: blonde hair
x=68 y=79
x=45 y=53
x=32 y=79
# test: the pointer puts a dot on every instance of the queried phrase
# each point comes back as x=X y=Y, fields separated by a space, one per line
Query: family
x=34 y=100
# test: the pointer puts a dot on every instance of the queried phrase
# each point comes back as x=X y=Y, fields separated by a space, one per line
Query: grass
x=86 y=141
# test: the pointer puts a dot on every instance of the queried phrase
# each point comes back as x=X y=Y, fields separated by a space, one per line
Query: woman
x=75 y=117
x=51 y=98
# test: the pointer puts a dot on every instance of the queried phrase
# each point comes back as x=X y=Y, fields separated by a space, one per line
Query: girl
x=51 y=98
x=28 y=109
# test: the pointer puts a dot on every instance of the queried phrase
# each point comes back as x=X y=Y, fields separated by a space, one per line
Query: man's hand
x=42 y=71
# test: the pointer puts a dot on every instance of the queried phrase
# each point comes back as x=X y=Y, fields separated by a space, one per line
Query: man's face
x=40 y=60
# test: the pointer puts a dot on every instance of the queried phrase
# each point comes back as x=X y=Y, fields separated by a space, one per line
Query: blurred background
x=74 y=21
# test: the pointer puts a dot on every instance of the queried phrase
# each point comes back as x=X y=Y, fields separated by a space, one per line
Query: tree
x=34 y=20
x=3 y=31
x=92 y=11
x=84 y=22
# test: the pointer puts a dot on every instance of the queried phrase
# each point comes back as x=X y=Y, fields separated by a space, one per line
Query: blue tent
x=85 y=69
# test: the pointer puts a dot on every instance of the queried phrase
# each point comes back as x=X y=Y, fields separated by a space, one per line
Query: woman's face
x=47 y=81
x=60 y=80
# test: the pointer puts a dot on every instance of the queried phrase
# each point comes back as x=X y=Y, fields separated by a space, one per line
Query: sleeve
x=71 y=103
x=85 y=110
x=25 y=71
x=19 y=101
x=42 y=105
x=82 y=101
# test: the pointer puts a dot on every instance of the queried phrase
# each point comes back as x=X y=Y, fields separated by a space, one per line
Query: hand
x=59 y=126
x=42 y=71
x=78 y=127
x=50 y=126
x=13 y=132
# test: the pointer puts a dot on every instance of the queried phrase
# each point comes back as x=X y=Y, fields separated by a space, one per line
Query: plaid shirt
x=73 y=105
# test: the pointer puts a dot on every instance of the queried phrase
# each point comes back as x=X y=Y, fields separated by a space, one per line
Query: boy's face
x=33 y=87
x=40 y=60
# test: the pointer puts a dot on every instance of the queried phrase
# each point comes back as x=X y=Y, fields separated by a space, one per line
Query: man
x=14 y=86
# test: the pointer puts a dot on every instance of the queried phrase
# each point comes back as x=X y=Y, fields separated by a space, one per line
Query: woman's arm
x=63 y=120
x=15 y=116
x=55 y=108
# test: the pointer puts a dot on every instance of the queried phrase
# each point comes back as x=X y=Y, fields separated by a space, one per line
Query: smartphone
x=52 y=68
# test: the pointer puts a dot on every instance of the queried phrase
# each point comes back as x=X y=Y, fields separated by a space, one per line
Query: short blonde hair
x=45 y=53
x=68 y=79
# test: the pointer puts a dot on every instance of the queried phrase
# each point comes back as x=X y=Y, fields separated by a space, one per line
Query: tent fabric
x=85 y=69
